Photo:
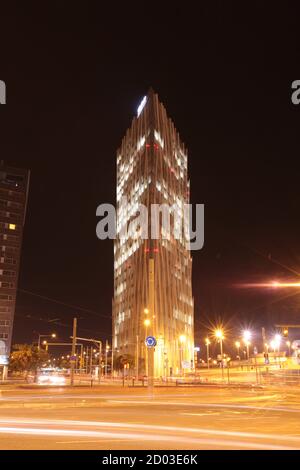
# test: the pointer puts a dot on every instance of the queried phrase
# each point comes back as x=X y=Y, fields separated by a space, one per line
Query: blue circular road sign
x=150 y=342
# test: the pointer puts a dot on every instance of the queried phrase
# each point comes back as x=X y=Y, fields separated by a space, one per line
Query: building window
x=4 y=309
x=5 y=323
x=8 y=260
x=5 y=297
x=7 y=285
x=12 y=226
x=5 y=272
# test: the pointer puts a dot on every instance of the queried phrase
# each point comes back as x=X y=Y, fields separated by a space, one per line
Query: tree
x=124 y=359
x=27 y=358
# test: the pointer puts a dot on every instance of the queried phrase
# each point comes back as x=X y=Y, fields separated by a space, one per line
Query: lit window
x=12 y=226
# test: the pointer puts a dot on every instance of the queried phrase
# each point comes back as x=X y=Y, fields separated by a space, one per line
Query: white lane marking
x=111 y=439
x=200 y=414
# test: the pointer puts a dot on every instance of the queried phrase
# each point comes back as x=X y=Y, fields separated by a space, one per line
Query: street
x=111 y=417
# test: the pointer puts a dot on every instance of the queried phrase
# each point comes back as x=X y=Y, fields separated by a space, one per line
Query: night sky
x=75 y=74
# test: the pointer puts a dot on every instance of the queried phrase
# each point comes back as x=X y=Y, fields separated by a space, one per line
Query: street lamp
x=207 y=343
x=246 y=337
x=238 y=345
x=247 y=344
x=182 y=340
x=277 y=342
x=147 y=323
x=52 y=335
x=288 y=343
x=220 y=336
x=106 y=353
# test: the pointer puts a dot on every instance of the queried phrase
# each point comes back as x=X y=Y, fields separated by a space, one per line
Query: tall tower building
x=152 y=277
x=14 y=184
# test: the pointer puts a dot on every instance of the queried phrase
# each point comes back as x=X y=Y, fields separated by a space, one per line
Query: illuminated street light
x=146 y=311
x=52 y=335
x=247 y=335
x=277 y=341
x=220 y=336
x=246 y=338
x=147 y=322
x=182 y=339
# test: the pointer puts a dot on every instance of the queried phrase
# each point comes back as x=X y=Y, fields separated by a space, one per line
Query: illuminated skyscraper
x=152 y=169
x=13 y=200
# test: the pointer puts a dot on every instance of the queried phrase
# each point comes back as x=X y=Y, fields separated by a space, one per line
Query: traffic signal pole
x=73 y=350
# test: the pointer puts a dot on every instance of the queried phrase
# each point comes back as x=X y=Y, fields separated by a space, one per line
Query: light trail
x=158 y=437
x=270 y=285
x=134 y=426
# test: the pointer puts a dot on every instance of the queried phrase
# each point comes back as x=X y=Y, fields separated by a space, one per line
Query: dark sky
x=75 y=74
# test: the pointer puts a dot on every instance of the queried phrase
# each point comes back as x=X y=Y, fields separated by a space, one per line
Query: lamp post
x=220 y=336
x=207 y=343
x=277 y=342
x=106 y=353
x=53 y=335
x=288 y=343
x=182 y=340
x=147 y=323
x=238 y=345
x=246 y=337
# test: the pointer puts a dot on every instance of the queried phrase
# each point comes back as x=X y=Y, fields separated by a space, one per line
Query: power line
x=73 y=307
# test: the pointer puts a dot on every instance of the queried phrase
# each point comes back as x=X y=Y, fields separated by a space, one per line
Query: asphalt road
x=176 y=418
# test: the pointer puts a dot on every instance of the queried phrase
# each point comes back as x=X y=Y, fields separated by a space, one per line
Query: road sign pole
x=152 y=329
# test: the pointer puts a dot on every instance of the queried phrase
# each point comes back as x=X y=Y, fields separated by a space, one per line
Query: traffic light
x=285 y=332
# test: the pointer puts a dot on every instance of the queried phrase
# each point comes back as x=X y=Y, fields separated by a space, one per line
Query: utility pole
x=106 y=351
x=81 y=359
x=73 y=349
x=99 y=362
x=152 y=313
x=96 y=341
x=112 y=360
x=91 y=361
x=137 y=358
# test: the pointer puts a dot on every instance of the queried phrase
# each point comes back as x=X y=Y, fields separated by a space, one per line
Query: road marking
x=200 y=414
x=83 y=441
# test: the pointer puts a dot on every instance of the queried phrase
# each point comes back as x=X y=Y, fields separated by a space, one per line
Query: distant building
x=14 y=183
x=152 y=169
